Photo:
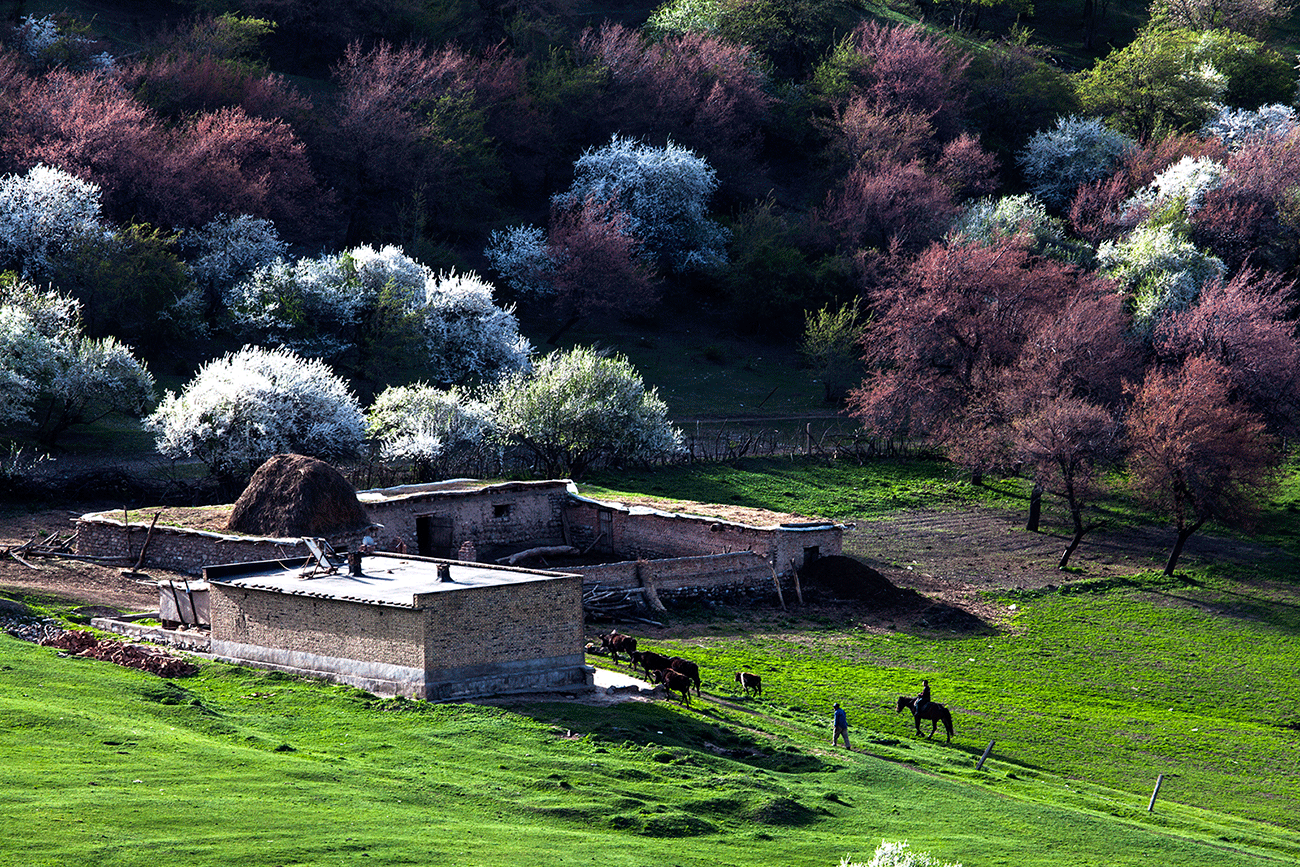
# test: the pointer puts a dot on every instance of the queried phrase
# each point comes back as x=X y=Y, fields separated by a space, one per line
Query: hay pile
x=293 y=495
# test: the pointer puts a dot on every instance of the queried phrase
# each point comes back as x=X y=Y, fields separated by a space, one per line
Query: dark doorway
x=433 y=535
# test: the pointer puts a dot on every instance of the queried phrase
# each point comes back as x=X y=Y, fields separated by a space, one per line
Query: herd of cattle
x=674 y=672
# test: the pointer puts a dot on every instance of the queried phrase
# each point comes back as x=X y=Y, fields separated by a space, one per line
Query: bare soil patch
x=948 y=557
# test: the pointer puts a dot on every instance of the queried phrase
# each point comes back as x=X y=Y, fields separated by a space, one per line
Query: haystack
x=293 y=495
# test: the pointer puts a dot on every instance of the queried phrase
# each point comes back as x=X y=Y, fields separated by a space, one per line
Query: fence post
x=1160 y=778
x=987 y=750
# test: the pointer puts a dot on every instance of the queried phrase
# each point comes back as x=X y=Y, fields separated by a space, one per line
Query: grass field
x=1088 y=693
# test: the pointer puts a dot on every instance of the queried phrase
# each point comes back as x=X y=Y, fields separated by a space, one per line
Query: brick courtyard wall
x=534 y=512
x=183 y=550
x=681 y=575
x=651 y=535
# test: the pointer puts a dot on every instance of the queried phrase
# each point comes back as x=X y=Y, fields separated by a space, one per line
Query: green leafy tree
x=1171 y=79
x=832 y=346
x=580 y=409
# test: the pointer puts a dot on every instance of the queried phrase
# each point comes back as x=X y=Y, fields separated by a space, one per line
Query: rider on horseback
x=923 y=699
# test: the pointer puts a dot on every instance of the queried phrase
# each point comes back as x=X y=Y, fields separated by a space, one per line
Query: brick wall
x=450 y=644
x=513 y=513
x=183 y=550
x=318 y=626
x=648 y=534
x=539 y=619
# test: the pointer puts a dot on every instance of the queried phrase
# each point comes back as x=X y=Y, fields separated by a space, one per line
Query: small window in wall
x=501 y=510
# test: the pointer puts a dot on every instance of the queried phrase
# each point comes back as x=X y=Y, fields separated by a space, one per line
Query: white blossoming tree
x=44 y=213
x=665 y=192
x=580 y=409
x=432 y=429
x=368 y=310
x=1179 y=190
x=522 y=256
x=243 y=408
x=1163 y=271
x=1077 y=151
x=1237 y=127
x=227 y=250
x=52 y=376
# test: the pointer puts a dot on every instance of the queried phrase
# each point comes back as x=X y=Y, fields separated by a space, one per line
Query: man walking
x=841 y=727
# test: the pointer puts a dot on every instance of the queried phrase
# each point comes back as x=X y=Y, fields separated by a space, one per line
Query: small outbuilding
x=403 y=625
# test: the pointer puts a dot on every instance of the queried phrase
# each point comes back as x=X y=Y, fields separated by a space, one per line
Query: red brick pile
x=82 y=643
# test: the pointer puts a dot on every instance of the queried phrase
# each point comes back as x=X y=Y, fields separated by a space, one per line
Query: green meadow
x=1088 y=693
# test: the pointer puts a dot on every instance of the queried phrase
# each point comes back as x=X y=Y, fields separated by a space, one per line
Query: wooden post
x=126 y=525
x=798 y=590
x=145 y=546
x=987 y=750
x=1160 y=778
x=777 y=582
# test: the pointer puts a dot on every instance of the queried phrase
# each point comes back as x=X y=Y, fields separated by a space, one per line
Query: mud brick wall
x=486 y=626
x=681 y=574
x=323 y=627
x=178 y=549
x=648 y=534
x=497 y=515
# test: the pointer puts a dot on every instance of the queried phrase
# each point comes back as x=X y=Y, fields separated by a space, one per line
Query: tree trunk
x=1184 y=533
x=554 y=339
x=1035 y=508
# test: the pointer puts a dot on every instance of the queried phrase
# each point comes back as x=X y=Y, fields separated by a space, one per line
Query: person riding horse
x=922 y=699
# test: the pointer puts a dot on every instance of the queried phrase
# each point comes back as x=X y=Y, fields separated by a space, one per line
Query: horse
x=616 y=643
x=933 y=711
x=752 y=683
x=675 y=681
x=651 y=661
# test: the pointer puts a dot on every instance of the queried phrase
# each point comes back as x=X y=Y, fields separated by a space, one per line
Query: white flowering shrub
x=1237 y=127
x=1181 y=188
x=243 y=408
x=467 y=336
x=898 y=854
x=1163 y=271
x=521 y=255
x=44 y=213
x=579 y=409
x=433 y=429
x=228 y=249
x=665 y=192
x=368 y=303
x=52 y=376
x=1077 y=151
x=44 y=44
x=989 y=220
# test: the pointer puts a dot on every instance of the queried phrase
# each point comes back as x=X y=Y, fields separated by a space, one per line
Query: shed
x=404 y=625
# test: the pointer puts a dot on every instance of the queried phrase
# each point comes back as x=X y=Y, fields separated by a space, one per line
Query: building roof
x=456 y=488
x=385 y=579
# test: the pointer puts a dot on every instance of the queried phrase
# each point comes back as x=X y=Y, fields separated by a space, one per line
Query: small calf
x=751 y=682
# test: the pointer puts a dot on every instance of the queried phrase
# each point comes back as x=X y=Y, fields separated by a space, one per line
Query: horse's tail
x=947 y=722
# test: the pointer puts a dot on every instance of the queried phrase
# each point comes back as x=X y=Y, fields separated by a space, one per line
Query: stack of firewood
x=615 y=605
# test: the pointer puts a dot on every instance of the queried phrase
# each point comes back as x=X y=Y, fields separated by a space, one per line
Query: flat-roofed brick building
x=404 y=625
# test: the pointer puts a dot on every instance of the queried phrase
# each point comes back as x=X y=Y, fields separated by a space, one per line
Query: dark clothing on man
x=841 y=727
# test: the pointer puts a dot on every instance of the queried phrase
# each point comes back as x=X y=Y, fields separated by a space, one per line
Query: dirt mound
x=293 y=495
x=847 y=578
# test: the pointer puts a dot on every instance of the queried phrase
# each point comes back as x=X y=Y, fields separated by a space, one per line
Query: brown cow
x=616 y=644
x=675 y=681
x=650 y=661
x=688 y=668
x=751 y=682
